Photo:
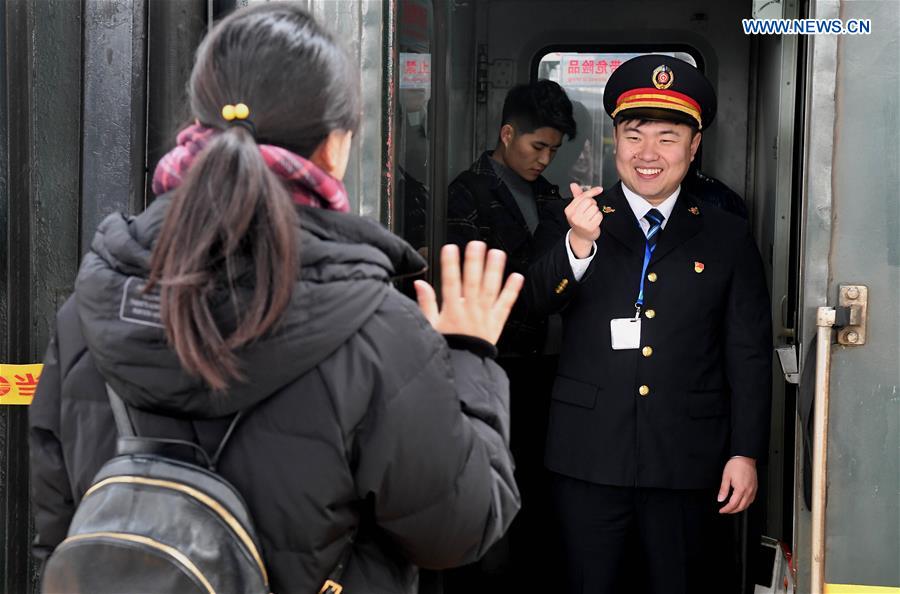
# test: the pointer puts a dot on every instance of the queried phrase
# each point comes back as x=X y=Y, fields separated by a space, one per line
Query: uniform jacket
x=712 y=191
x=362 y=417
x=481 y=207
x=708 y=367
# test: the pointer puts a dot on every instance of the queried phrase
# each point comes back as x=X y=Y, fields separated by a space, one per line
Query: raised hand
x=473 y=303
x=584 y=217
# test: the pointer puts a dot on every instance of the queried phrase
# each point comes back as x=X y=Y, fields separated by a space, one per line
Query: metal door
x=849 y=236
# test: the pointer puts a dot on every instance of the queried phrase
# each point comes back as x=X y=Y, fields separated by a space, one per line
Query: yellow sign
x=18 y=383
x=854 y=589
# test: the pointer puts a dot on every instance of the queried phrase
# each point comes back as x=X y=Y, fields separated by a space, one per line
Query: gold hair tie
x=235 y=112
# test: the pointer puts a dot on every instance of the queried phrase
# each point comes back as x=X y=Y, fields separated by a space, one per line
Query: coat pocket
x=571 y=391
x=708 y=403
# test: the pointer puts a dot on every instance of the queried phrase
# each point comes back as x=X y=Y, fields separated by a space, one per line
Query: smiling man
x=660 y=408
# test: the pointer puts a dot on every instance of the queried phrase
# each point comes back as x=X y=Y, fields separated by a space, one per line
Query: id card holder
x=625 y=333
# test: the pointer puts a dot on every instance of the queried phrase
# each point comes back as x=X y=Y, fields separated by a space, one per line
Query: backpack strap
x=130 y=442
x=214 y=461
x=120 y=413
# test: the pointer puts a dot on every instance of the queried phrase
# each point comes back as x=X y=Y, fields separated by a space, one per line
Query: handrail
x=825 y=319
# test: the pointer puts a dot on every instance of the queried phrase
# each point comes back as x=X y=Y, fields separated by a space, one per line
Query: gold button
x=652 y=277
x=650 y=313
x=644 y=390
x=647 y=351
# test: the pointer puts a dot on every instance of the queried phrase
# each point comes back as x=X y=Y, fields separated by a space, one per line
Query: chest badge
x=694 y=210
x=698 y=267
x=608 y=209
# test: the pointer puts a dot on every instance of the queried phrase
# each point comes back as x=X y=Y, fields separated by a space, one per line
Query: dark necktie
x=655 y=218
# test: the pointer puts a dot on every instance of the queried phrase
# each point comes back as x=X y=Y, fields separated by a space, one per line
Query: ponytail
x=229 y=239
x=231 y=216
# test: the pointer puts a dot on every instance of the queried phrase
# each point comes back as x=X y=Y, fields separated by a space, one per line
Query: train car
x=806 y=134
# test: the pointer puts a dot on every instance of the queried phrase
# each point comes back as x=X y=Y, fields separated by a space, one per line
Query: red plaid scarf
x=307 y=184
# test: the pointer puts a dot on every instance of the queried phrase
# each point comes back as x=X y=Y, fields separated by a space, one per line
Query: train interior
x=752 y=146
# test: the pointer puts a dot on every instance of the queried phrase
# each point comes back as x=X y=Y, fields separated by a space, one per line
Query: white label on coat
x=138 y=306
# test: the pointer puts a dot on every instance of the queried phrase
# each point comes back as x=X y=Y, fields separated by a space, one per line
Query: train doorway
x=473 y=52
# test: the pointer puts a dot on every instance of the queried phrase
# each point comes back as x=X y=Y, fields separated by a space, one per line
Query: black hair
x=538 y=105
x=232 y=213
x=291 y=73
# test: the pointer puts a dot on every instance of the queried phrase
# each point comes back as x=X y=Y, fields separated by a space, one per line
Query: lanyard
x=648 y=252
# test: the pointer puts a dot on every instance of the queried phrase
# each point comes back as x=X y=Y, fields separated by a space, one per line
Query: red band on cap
x=661 y=94
x=660 y=98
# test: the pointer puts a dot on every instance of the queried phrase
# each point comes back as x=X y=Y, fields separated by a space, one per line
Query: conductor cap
x=662 y=88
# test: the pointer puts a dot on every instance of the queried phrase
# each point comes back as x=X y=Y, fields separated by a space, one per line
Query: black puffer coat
x=362 y=416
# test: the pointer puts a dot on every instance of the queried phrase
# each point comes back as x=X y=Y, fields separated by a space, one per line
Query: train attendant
x=504 y=201
x=660 y=409
x=248 y=286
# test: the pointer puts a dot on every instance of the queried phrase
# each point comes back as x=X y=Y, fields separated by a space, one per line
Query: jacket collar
x=482 y=166
x=685 y=222
x=324 y=234
x=620 y=222
x=542 y=187
x=397 y=257
x=618 y=219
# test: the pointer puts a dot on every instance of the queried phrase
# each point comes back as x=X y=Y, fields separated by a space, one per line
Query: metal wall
x=72 y=149
x=114 y=135
x=174 y=30
x=863 y=510
x=850 y=236
x=39 y=218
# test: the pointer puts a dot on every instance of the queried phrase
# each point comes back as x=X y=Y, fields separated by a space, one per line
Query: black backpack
x=155 y=521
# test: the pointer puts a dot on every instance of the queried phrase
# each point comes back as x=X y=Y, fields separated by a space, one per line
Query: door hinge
x=851 y=314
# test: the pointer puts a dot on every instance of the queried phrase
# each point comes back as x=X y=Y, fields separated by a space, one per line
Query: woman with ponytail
x=370 y=424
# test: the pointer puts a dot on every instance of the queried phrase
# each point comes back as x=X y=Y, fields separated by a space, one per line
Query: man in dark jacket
x=359 y=414
x=504 y=201
x=661 y=403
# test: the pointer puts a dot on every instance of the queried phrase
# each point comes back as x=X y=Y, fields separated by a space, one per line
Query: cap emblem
x=663 y=77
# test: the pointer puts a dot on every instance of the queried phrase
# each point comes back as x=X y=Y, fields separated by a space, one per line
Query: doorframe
x=814 y=239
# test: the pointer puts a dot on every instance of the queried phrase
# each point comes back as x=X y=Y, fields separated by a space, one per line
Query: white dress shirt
x=639 y=207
